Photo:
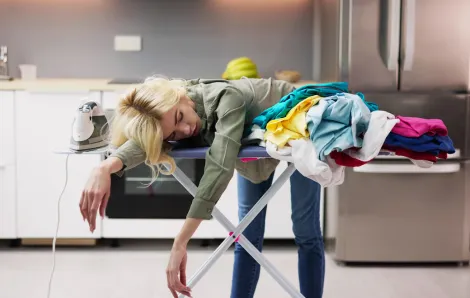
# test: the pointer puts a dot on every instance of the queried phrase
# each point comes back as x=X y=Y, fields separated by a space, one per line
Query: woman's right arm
x=130 y=155
x=97 y=190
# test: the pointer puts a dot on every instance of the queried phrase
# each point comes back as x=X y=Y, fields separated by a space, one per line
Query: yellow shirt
x=291 y=127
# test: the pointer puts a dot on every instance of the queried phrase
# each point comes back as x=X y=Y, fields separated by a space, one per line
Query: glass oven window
x=132 y=197
x=137 y=179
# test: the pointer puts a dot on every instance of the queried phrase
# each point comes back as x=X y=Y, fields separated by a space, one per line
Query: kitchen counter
x=73 y=85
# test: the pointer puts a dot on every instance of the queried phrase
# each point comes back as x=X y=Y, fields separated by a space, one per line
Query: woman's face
x=181 y=121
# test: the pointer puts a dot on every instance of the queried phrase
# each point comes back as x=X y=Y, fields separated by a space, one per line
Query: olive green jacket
x=226 y=109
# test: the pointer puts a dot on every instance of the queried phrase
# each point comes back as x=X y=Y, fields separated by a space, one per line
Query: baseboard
x=59 y=242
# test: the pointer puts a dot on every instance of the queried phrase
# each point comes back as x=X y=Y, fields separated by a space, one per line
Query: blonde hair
x=137 y=118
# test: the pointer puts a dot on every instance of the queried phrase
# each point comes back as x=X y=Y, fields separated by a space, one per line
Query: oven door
x=133 y=198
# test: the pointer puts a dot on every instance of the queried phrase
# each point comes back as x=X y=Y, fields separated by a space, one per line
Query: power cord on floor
x=57 y=226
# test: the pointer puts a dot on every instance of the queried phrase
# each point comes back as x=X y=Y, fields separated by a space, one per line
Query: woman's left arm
x=220 y=160
x=218 y=171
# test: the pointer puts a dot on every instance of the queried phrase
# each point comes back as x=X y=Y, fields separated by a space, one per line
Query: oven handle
x=408 y=169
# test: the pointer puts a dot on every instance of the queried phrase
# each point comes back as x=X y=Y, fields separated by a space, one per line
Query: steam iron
x=90 y=127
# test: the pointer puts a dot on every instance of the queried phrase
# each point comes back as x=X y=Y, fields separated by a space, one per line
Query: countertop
x=73 y=85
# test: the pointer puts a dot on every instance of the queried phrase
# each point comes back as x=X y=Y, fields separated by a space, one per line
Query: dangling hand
x=177 y=266
x=95 y=196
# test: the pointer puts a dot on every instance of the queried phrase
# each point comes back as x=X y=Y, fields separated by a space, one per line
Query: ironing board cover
x=245 y=152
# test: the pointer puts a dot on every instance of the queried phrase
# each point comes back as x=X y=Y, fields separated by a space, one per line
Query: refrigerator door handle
x=408 y=169
x=409 y=22
x=389 y=33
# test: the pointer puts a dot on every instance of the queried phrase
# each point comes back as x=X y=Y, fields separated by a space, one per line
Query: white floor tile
x=140 y=272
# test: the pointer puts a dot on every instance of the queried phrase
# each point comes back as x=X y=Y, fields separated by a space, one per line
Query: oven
x=133 y=197
x=137 y=209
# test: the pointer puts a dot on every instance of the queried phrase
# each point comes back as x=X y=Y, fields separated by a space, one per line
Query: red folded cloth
x=416 y=155
x=342 y=159
x=414 y=127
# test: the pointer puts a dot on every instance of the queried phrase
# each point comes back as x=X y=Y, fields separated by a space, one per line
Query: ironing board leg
x=235 y=232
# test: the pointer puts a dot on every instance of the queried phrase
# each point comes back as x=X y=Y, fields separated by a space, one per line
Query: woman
x=216 y=113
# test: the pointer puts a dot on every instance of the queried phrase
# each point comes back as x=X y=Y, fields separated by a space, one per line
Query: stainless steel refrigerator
x=411 y=57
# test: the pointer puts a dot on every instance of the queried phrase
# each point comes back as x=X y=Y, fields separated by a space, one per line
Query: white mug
x=28 y=71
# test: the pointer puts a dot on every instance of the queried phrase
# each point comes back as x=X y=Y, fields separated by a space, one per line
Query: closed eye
x=178 y=118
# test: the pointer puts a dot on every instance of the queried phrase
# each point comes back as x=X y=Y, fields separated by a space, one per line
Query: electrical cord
x=57 y=226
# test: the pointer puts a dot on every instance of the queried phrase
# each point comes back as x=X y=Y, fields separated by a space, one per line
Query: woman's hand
x=96 y=193
x=178 y=258
x=177 y=266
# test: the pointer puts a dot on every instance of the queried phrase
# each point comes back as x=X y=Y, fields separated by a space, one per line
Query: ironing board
x=234 y=232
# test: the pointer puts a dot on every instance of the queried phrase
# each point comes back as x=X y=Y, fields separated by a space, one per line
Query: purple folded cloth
x=245 y=152
x=200 y=152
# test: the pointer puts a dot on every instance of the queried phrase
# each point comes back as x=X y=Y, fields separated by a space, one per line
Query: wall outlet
x=127 y=43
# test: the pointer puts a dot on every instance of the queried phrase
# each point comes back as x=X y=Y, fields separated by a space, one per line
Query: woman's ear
x=185 y=99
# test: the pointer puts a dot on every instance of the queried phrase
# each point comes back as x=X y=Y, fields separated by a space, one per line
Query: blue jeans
x=305 y=200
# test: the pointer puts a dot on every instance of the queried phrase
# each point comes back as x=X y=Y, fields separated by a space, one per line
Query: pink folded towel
x=414 y=127
x=248 y=159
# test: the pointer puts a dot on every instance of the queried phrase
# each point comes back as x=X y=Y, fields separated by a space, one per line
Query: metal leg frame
x=235 y=233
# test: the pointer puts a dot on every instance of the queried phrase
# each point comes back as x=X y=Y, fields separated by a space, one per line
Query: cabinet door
x=111 y=99
x=279 y=212
x=44 y=123
x=7 y=167
x=278 y=215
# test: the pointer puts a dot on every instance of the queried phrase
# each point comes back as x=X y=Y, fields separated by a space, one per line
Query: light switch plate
x=127 y=43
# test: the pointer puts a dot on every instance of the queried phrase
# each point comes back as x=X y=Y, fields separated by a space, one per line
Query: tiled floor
x=139 y=271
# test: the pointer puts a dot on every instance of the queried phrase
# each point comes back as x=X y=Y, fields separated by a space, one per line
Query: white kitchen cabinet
x=43 y=124
x=111 y=99
x=7 y=166
x=278 y=217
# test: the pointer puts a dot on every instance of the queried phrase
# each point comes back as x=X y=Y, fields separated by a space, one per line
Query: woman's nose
x=185 y=129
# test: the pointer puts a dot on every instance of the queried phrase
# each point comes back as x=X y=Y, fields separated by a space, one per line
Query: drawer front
x=402 y=212
x=7 y=167
x=7 y=202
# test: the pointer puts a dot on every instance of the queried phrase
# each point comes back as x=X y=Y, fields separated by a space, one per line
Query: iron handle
x=389 y=33
x=409 y=20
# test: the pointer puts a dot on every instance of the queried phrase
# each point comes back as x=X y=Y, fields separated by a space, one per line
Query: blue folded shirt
x=425 y=143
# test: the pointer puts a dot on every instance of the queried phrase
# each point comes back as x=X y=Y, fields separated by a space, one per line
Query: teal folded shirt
x=337 y=123
x=280 y=109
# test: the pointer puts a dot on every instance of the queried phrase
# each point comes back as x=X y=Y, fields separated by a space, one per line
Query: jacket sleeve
x=130 y=154
x=222 y=154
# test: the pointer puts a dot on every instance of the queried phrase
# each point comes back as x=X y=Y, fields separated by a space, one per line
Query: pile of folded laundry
x=323 y=128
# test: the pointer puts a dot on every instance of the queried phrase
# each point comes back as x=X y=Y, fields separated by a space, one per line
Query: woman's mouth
x=195 y=130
